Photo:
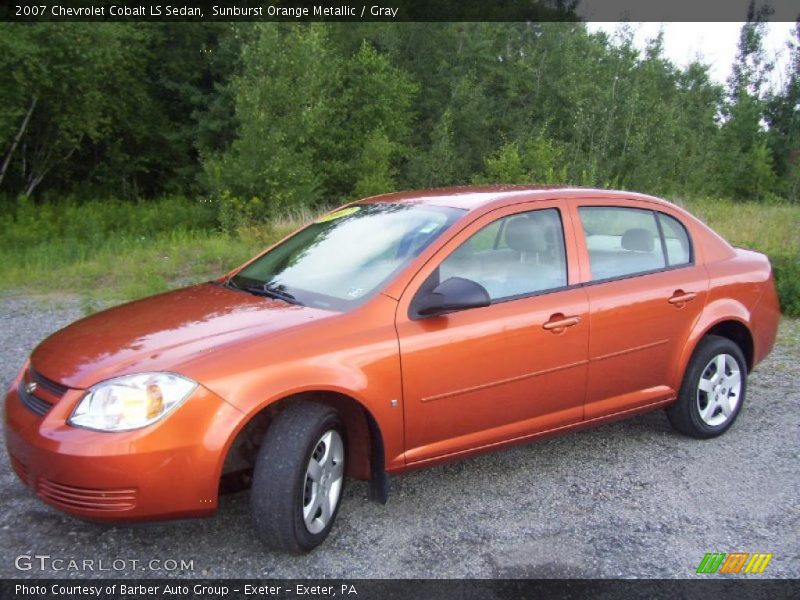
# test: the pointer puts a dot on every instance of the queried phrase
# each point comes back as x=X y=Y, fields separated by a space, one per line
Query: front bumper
x=169 y=469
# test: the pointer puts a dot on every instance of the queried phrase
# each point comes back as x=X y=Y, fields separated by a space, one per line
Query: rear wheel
x=299 y=477
x=713 y=389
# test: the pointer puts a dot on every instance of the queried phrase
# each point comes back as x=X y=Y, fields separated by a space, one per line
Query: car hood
x=162 y=332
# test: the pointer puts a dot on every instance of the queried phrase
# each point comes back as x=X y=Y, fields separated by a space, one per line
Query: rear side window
x=517 y=255
x=676 y=241
x=621 y=241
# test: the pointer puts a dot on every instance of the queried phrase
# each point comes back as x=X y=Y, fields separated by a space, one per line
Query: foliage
x=270 y=119
x=311 y=114
x=783 y=116
x=114 y=108
x=309 y=120
x=770 y=228
x=744 y=163
x=787 y=280
x=71 y=81
x=115 y=250
x=29 y=224
x=374 y=171
x=535 y=162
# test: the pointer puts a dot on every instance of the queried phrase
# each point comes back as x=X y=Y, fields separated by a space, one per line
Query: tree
x=371 y=101
x=744 y=166
x=783 y=116
x=316 y=113
x=156 y=144
x=536 y=161
x=751 y=67
x=439 y=164
x=282 y=102
x=698 y=105
x=308 y=118
x=60 y=85
x=375 y=172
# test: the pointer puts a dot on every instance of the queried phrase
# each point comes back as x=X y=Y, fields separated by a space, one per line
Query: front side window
x=517 y=255
x=621 y=241
x=344 y=258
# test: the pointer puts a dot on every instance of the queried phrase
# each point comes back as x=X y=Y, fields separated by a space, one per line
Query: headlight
x=131 y=401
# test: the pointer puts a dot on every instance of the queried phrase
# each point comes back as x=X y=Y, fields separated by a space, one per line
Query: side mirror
x=451 y=295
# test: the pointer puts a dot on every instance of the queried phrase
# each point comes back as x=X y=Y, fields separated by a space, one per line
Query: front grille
x=54 y=388
x=69 y=496
x=34 y=403
x=45 y=394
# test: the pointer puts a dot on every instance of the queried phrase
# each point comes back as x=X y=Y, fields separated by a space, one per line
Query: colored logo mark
x=736 y=562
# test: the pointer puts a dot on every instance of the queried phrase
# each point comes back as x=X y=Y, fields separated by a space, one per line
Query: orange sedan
x=394 y=333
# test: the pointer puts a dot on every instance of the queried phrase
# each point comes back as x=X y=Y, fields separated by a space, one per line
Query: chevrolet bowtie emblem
x=31 y=387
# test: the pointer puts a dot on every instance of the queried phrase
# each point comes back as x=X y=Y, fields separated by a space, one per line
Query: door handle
x=681 y=297
x=559 y=321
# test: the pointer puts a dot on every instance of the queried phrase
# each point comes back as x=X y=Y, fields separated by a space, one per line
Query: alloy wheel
x=323 y=483
x=719 y=390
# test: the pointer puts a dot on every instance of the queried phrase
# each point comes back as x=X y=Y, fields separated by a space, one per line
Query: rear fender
x=715 y=312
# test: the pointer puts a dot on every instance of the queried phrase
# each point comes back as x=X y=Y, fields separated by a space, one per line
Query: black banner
x=389 y=10
x=369 y=589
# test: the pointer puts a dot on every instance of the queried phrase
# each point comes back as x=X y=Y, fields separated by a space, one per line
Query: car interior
x=521 y=254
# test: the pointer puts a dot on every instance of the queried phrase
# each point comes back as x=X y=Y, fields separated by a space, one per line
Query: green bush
x=27 y=224
x=235 y=212
x=536 y=160
x=105 y=248
x=112 y=251
x=787 y=279
x=768 y=227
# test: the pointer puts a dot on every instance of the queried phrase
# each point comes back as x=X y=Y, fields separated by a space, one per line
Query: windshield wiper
x=272 y=291
x=268 y=290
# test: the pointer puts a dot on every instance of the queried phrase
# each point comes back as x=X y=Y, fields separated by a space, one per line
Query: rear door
x=645 y=294
x=489 y=375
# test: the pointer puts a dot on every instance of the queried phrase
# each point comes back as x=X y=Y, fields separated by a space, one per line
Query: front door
x=483 y=376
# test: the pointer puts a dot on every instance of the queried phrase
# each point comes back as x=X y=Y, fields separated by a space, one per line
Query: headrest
x=638 y=239
x=525 y=235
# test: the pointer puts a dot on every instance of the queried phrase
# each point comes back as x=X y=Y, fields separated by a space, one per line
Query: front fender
x=373 y=388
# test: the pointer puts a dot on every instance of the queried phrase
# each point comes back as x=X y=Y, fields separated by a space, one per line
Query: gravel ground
x=631 y=499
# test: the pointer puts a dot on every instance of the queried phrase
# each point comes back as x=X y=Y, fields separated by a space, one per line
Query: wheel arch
x=740 y=334
x=365 y=438
x=725 y=318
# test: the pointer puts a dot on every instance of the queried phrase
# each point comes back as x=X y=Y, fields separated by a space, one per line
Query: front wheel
x=713 y=389
x=299 y=477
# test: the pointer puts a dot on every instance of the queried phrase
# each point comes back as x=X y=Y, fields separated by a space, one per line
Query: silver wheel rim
x=323 y=482
x=719 y=390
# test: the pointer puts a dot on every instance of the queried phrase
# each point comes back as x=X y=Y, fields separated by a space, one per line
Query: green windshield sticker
x=339 y=214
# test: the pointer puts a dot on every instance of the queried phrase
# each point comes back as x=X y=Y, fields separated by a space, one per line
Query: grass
x=770 y=228
x=130 y=267
x=113 y=251
x=773 y=229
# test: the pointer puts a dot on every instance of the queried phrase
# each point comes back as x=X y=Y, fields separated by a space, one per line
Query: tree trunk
x=36 y=179
x=17 y=138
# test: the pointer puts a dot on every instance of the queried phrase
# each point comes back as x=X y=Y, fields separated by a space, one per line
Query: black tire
x=685 y=413
x=279 y=488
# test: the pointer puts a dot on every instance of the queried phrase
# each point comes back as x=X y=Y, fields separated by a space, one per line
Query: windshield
x=343 y=258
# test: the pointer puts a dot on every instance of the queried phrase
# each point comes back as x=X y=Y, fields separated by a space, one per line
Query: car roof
x=474 y=197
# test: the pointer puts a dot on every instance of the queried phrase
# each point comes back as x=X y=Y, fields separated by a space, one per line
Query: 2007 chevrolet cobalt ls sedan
x=394 y=333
